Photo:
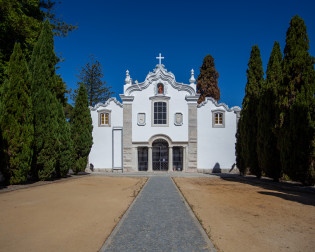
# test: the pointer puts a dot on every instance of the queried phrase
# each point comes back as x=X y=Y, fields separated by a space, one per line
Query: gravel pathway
x=158 y=220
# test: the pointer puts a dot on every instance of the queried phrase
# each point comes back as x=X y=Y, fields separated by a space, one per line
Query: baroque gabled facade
x=160 y=127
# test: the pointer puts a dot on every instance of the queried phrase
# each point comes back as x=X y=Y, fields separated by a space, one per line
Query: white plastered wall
x=101 y=152
x=216 y=146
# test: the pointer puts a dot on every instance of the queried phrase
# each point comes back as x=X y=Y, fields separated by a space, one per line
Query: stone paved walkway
x=158 y=220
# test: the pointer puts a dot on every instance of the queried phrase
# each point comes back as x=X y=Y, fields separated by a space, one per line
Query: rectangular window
x=104 y=119
x=160 y=113
x=218 y=119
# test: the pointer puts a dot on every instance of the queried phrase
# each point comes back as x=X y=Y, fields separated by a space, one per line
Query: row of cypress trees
x=36 y=139
x=275 y=135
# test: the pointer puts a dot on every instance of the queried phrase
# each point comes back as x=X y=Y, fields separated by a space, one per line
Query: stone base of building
x=222 y=170
x=188 y=170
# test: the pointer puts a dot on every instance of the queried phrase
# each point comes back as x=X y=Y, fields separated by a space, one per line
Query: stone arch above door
x=162 y=137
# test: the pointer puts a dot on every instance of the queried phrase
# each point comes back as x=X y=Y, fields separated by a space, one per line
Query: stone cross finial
x=160 y=58
x=192 y=78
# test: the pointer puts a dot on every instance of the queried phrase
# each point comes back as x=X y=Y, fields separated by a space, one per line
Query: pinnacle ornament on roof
x=128 y=79
x=192 y=77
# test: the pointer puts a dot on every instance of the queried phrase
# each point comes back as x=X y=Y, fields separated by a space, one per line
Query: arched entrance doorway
x=160 y=155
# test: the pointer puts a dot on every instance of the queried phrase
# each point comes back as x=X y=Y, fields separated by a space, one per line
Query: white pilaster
x=184 y=158
x=149 y=159
x=170 y=159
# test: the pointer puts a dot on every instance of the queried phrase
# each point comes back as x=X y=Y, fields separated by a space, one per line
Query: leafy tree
x=81 y=130
x=50 y=127
x=91 y=76
x=296 y=138
x=207 y=81
x=21 y=20
x=16 y=118
x=268 y=154
x=248 y=127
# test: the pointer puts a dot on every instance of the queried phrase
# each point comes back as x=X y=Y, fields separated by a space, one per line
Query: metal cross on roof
x=160 y=58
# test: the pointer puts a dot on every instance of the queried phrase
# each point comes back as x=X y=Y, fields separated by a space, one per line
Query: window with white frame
x=160 y=113
x=218 y=119
x=104 y=118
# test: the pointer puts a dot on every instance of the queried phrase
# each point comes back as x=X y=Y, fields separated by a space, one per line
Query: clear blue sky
x=125 y=34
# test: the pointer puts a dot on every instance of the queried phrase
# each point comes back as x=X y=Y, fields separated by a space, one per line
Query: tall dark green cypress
x=240 y=162
x=50 y=130
x=65 y=145
x=267 y=151
x=81 y=130
x=207 y=82
x=248 y=127
x=16 y=118
x=296 y=136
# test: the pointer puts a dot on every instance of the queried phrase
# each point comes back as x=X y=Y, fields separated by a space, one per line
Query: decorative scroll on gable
x=160 y=75
x=112 y=99
x=219 y=105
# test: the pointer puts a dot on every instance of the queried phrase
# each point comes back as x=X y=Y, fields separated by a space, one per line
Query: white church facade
x=159 y=126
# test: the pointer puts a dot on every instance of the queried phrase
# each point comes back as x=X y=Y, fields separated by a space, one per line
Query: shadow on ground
x=32 y=183
x=287 y=191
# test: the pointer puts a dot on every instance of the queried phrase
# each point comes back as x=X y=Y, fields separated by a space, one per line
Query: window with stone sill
x=160 y=113
x=104 y=118
x=218 y=119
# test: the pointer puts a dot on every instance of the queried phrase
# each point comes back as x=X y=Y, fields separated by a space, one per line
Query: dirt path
x=241 y=217
x=74 y=215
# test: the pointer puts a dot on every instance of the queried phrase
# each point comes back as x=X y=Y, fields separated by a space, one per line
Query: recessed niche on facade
x=141 y=119
x=160 y=89
x=178 y=119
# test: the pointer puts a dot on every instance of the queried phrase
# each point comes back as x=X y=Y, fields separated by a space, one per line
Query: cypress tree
x=16 y=118
x=4 y=171
x=65 y=145
x=296 y=138
x=240 y=162
x=81 y=130
x=248 y=127
x=50 y=130
x=207 y=81
x=267 y=151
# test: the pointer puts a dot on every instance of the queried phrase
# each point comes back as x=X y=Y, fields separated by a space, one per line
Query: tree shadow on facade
x=216 y=168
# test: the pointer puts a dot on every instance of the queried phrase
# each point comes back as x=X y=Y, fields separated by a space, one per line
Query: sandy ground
x=251 y=217
x=73 y=215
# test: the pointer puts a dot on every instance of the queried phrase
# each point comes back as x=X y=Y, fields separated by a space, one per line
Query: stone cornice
x=235 y=108
x=192 y=98
x=126 y=98
x=112 y=99
x=159 y=97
